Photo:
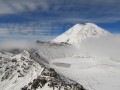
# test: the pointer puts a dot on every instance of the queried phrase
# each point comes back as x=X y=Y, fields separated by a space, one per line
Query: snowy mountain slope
x=95 y=73
x=50 y=80
x=19 y=70
x=52 y=65
x=32 y=68
x=79 y=32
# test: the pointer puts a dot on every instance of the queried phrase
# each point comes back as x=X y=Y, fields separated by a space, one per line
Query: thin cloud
x=10 y=44
x=18 y=6
x=93 y=11
x=50 y=12
x=106 y=46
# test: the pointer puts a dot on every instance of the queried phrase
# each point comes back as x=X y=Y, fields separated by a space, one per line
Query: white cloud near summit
x=106 y=46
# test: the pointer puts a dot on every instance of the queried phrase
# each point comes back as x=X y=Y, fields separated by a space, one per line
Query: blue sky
x=52 y=17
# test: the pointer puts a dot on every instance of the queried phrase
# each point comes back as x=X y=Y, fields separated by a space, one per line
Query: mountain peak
x=79 y=32
x=83 y=24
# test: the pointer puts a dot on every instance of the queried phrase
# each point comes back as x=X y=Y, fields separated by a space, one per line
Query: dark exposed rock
x=53 y=80
x=14 y=60
x=49 y=77
x=24 y=88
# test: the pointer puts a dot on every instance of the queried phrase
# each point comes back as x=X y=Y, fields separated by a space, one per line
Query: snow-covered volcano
x=79 y=32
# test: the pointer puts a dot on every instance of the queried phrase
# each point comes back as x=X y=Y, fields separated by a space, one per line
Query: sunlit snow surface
x=90 y=66
x=79 y=32
x=96 y=68
x=92 y=71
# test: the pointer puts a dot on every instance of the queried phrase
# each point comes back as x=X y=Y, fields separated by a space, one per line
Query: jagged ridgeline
x=29 y=70
x=51 y=79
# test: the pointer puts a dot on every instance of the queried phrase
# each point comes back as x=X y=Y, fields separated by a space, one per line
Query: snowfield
x=97 y=65
x=92 y=72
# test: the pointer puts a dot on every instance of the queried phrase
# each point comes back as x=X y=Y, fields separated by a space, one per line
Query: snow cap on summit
x=79 y=32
